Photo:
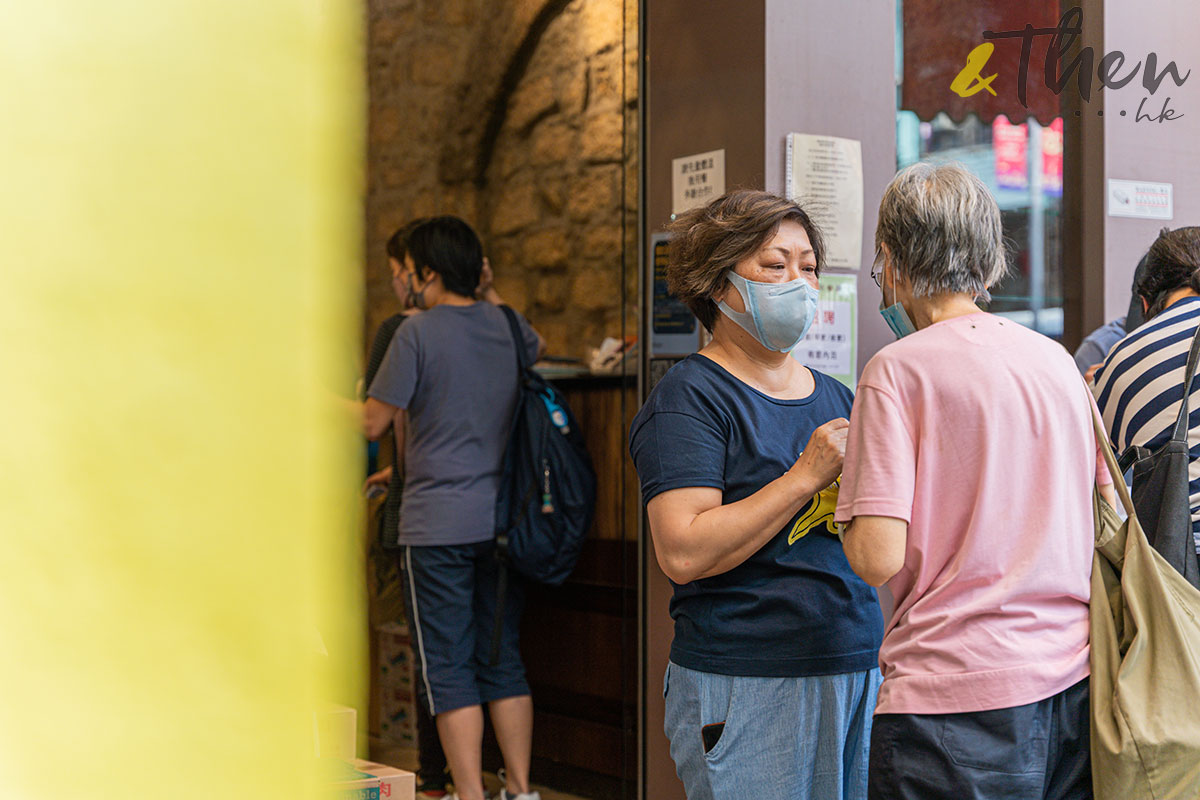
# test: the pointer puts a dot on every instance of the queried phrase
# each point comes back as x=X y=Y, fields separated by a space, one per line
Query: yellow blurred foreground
x=179 y=288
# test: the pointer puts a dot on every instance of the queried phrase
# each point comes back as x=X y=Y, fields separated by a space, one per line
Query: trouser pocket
x=717 y=696
x=1009 y=741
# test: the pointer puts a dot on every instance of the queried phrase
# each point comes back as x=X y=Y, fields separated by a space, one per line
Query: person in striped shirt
x=1140 y=386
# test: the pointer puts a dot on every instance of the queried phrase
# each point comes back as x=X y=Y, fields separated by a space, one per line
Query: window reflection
x=1022 y=166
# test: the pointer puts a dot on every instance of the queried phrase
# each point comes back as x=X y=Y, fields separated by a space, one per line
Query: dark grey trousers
x=1038 y=751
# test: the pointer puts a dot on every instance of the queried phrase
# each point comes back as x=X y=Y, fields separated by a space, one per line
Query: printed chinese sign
x=825 y=175
x=830 y=345
x=696 y=180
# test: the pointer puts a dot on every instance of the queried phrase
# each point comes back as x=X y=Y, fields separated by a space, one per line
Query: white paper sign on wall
x=695 y=180
x=1142 y=199
x=825 y=175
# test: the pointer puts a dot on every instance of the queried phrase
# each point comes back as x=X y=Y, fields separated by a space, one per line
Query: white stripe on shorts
x=412 y=590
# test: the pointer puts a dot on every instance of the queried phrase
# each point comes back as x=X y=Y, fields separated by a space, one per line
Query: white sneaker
x=504 y=795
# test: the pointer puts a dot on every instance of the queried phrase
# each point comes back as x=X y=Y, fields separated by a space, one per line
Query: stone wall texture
x=520 y=116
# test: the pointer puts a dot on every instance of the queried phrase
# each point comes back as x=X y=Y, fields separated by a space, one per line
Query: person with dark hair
x=1140 y=386
x=772 y=675
x=449 y=243
x=448 y=386
x=970 y=470
x=432 y=778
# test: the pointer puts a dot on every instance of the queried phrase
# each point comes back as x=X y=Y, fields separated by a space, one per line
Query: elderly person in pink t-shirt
x=967 y=489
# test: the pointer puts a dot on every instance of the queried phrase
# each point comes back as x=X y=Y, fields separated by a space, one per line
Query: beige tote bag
x=1145 y=659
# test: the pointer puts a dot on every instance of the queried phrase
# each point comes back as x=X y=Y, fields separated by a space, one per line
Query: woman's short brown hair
x=709 y=241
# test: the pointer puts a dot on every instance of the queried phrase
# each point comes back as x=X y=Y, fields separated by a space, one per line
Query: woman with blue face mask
x=772 y=676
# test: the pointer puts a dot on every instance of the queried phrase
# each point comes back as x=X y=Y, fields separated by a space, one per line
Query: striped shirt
x=1140 y=387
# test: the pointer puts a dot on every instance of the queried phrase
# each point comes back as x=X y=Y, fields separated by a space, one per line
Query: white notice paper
x=829 y=345
x=696 y=180
x=825 y=175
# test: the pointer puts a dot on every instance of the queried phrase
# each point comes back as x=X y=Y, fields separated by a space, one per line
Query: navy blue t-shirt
x=795 y=607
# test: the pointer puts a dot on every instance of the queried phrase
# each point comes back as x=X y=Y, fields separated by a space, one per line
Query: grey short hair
x=942 y=227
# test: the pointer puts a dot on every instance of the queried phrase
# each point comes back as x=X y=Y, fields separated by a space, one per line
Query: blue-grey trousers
x=738 y=738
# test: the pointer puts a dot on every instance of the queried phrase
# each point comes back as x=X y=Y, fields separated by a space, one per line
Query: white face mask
x=777 y=314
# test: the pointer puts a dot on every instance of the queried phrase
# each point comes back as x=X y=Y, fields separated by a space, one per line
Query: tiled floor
x=406 y=758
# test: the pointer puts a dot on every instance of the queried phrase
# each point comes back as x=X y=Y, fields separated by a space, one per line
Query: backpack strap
x=1181 y=423
x=514 y=328
x=518 y=340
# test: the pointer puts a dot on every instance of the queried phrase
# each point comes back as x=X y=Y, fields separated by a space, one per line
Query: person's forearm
x=1108 y=492
x=376 y=417
x=875 y=547
x=721 y=538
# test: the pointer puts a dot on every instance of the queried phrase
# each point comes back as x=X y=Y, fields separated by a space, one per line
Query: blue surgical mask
x=897 y=319
x=777 y=314
x=894 y=315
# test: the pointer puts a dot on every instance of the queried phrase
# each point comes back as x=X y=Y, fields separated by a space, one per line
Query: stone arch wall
x=520 y=116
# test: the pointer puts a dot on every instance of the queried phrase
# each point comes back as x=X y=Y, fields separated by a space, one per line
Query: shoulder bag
x=1145 y=661
x=1161 y=487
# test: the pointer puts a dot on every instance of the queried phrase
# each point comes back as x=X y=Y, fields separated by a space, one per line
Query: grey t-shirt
x=454 y=369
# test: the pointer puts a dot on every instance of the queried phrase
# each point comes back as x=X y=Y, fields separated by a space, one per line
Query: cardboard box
x=393 y=688
x=394 y=658
x=396 y=669
x=336 y=732
x=349 y=783
x=398 y=718
x=395 y=644
x=367 y=780
x=394 y=784
x=395 y=630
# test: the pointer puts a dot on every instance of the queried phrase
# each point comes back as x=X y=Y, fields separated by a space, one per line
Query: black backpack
x=547 y=491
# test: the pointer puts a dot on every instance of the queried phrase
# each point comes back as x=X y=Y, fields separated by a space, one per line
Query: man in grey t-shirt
x=453 y=370
x=449 y=379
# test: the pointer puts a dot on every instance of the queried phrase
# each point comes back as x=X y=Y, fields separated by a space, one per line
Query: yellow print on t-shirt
x=817 y=514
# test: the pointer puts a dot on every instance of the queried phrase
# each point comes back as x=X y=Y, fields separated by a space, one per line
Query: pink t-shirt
x=978 y=433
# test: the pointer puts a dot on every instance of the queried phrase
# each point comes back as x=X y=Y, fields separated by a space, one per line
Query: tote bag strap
x=1180 y=433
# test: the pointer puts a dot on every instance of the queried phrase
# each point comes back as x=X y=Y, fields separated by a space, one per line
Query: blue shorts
x=450 y=601
x=1036 y=750
x=801 y=738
